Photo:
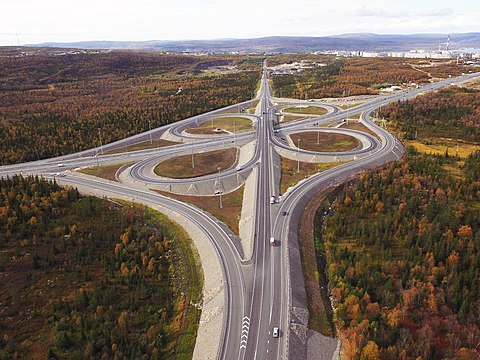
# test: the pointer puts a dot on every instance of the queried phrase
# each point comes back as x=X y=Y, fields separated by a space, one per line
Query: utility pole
x=100 y=136
x=298 y=155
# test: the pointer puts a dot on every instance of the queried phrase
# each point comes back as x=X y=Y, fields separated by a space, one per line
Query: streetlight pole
x=100 y=136
x=298 y=155
x=150 y=131
x=193 y=157
x=220 y=191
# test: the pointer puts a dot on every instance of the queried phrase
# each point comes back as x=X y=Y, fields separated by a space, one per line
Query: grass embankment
x=327 y=142
x=228 y=124
x=180 y=167
x=105 y=171
x=312 y=257
x=291 y=117
x=289 y=171
x=188 y=277
x=353 y=125
x=307 y=110
x=230 y=212
x=348 y=106
x=156 y=143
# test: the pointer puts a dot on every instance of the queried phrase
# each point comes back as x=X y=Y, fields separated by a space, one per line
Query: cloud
x=397 y=13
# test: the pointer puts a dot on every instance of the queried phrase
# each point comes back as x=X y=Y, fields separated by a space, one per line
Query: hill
x=359 y=41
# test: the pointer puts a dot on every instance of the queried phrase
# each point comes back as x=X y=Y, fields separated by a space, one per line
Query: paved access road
x=258 y=289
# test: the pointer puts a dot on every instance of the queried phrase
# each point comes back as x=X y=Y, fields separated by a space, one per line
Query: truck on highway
x=272 y=200
x=272 y=241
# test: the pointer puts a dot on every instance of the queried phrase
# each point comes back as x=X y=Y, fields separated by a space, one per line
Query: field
x=156 y=143
x=230 y=124
x=290 y=176
x=360 y=127
x=307 y=110
x=327 y=142
x=230 y=211
x=55 y=105
x=180 y=167
x=104 y=171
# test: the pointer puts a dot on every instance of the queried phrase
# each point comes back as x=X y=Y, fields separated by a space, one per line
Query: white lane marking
x=245 y=329
x=272 y=267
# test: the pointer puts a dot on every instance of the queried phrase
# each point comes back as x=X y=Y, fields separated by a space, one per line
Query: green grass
x=180 y=167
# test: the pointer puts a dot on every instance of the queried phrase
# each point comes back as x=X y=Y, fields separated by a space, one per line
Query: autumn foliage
x=404 y=275
x=54 y=105
x=340 y=77
x=82 y=279
x=450 y=113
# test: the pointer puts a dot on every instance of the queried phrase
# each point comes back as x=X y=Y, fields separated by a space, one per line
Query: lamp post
x=193 y=157
x=298 y=155
x=150 y=131
x=220 y=191
x=100 y=136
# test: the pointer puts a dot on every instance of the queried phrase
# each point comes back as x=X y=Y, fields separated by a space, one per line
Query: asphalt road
x=257 y=289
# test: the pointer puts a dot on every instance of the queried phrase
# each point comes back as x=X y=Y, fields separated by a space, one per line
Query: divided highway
x=257 y=288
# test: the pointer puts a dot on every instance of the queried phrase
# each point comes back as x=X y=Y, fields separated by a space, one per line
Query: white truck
x=273 y=200
x=272 y=241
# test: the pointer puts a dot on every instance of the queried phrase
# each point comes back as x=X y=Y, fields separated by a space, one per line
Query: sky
x=37 y=21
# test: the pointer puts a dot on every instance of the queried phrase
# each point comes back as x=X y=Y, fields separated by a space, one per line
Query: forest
x=86 y=278
x=340 y=77
x=52 y=105
x=449 y=113
x=403 y=251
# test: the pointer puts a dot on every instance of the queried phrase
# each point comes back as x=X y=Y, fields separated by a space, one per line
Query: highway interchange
x=258 y=288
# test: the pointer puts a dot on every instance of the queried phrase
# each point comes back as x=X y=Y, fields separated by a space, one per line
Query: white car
x=275 y=332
